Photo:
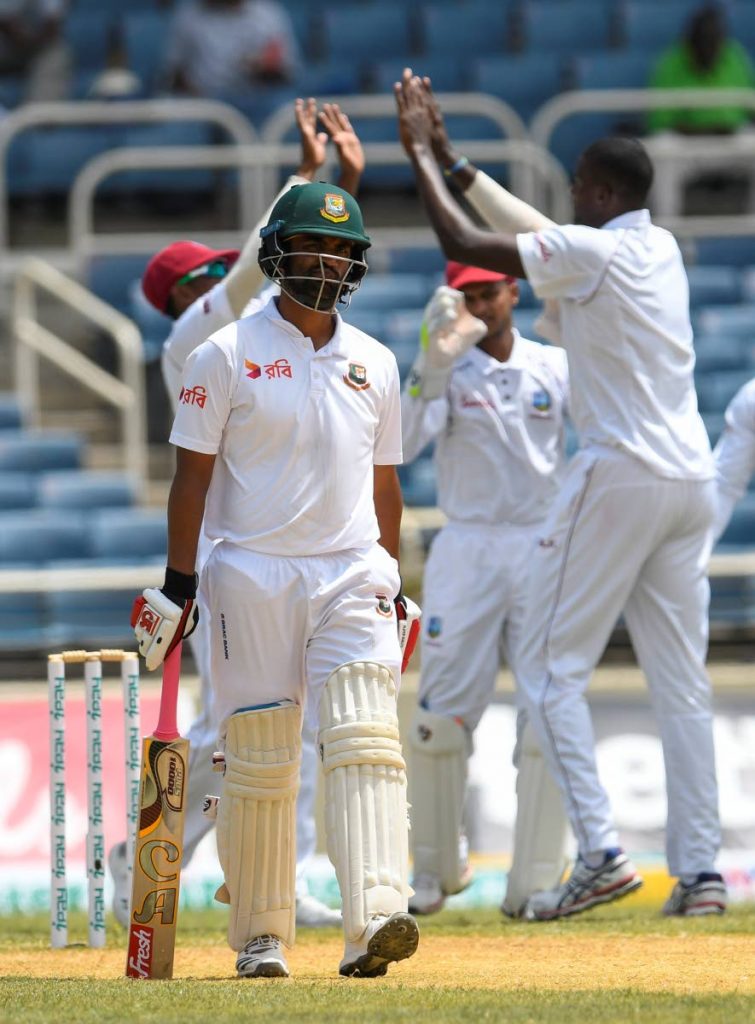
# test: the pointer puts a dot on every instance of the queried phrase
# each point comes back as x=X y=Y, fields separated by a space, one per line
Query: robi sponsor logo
x=140 y=945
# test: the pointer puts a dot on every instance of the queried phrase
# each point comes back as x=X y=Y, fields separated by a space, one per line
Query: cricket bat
x=159 y=838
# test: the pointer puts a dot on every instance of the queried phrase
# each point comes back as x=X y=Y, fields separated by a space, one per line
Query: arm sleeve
x=246 y=277
x=502 y=210
x=567 y=262
x=388 y=434
x=421 y=421
x=735 y=456
x=199 y=423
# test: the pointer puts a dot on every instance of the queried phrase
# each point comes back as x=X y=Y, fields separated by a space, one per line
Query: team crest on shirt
x=334 y=208
x=541 y=401
x=384 y=606
x=253 y=371
x=356 y=377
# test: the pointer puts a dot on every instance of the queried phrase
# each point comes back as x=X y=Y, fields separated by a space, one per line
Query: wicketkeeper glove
x=161 y=618
x=408 y=615
x=448 y=331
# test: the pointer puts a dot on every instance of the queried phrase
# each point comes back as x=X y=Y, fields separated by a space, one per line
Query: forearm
x=459 y=238
x=246 y=277
x=389 y=506
x=421 y=422
x=349 y=179
x=186 y=505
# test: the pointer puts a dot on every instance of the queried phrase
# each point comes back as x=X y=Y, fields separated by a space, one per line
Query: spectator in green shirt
x=704 y=58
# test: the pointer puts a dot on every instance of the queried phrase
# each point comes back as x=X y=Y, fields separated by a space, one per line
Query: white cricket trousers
x=472 y=611
x=621 y=539
x=280 y=626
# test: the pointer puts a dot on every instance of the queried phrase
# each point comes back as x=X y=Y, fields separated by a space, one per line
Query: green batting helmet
x=320 y=209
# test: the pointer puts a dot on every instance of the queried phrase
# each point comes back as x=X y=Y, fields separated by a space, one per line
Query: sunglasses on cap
x=216 y=268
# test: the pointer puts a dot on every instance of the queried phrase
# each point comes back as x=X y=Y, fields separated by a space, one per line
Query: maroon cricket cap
x=458 y=275
x=172 y=262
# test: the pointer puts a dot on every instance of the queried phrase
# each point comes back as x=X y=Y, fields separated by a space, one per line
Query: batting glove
x=162 y=618
x=408 y=615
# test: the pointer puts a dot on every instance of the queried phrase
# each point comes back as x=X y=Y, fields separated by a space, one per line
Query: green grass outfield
x=620 y=963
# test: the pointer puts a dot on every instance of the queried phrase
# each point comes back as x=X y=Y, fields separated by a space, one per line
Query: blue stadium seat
x=714 y=285
x=123 y=536
x=418 y=483
x=714 y=425
x=86 y=32
x=371 y=321
x=736 y=321
x=12 y=89
x=36 y=451
x=464 y=30
x=561 y=28
x=37 y=537
x=419 y=261
x=330 y=78
x=741 y=22
x=156 y=136
x=734 y=252
x=646 y=24
x=25 y=625
x=85 y=490
x=711 y=358
x=154 y=327
x=740 y=531
x=525 y=82
x=110 y=278
x=716 y=390
x=614 y=69
x=366 y=32
x=92 y=618
x=11 y=415
x=17 y=490
x=145 y=35
x=574 y=134
x=446 y=75
x=46 y=160
x=388 y=292
x=527 y=298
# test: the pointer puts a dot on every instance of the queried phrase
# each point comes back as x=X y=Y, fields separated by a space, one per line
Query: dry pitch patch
x=682 y=964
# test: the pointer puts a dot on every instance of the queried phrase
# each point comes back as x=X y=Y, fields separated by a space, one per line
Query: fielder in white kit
x=494 y=404
x=204 y=290
x=631 y=528
x=289 y=425
x=735 y=455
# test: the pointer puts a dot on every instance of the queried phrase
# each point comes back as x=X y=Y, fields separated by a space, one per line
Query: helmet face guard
x=316 y=210
x=321 y=289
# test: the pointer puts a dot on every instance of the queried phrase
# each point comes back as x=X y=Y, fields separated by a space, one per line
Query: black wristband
x=180 y=584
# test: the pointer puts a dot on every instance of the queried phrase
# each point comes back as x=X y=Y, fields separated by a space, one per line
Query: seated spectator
x=222 y=47
x=706 y=57
x=32 y=45
x=116 y=81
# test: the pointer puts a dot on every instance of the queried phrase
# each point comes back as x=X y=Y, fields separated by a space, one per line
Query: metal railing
x=594 y=101
x=35 y=342
x=85 y=242
x=85 y=112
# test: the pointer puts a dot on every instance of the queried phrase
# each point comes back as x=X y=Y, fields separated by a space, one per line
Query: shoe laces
x=261 y=942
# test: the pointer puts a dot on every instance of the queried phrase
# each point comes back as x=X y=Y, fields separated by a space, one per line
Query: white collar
x=630 y=219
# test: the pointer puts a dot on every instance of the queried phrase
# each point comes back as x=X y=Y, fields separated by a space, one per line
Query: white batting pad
x=256 y=823
x=541 y=831
x=440 y=749
x=365 y=793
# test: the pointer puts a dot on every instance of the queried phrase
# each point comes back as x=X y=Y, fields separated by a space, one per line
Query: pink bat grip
x=167 y=725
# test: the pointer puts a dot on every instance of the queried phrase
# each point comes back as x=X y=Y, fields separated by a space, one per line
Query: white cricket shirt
x=735 y=455
x=624 y=305
x=499 y=433
x=296 y=432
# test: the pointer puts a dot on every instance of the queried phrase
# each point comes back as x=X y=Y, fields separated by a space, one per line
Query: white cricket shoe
x=311 y=913
x=706 y=895
x=384 y=941
x=585 y=887
x=121 y=882
x=262 y=957
x=428 y=896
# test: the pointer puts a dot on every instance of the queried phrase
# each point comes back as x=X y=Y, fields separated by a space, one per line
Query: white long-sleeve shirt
x=499 y=433
x=735 y=455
